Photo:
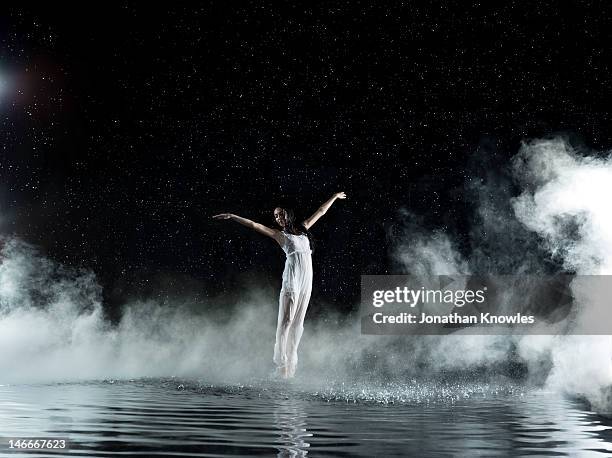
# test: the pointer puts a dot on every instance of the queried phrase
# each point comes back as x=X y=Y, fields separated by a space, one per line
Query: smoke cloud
x=560 y=221
x=565 y=202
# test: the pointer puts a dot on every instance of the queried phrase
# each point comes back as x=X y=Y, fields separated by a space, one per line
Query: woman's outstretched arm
x=322 y=210
x=273 y=233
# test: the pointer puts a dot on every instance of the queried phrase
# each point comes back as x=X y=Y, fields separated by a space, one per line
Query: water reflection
x=559 y=424
x=290 y=418
x=155 y=417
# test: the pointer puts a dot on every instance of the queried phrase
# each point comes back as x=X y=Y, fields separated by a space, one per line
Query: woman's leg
x=296 y=330
x=286 y=312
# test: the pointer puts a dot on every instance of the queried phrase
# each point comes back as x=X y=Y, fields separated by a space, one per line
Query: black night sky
x=125 y=128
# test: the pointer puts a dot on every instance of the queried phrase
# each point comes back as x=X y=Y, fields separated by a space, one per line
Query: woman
x=297 y=278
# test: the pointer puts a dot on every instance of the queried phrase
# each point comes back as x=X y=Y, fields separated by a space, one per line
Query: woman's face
x=280 y=217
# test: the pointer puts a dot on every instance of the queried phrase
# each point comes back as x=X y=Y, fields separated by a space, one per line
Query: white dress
x=293 y=301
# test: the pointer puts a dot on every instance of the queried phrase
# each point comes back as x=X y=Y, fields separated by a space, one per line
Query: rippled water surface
x=171 y=417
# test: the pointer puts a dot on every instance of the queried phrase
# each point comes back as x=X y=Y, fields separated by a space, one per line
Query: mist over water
x=52 y=328
x=52 y=325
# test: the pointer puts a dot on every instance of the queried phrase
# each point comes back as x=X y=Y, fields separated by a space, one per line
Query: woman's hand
x=340 y=195
x=222 y=216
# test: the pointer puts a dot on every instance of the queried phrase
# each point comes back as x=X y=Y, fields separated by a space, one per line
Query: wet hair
x=295 y=228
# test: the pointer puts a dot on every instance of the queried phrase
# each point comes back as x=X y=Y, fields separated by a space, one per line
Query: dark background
x=123 y=129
